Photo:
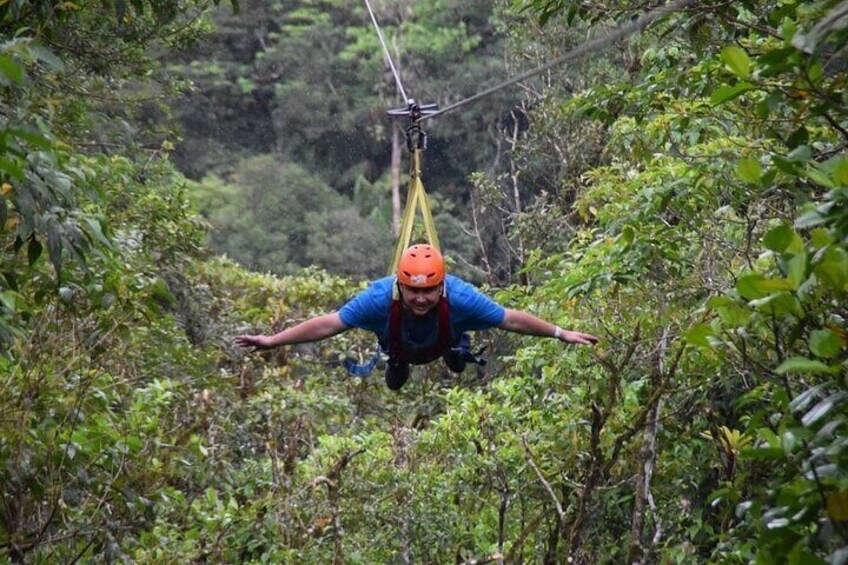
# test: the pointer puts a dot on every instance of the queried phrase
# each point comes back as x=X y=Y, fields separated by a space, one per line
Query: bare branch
x=546 y=484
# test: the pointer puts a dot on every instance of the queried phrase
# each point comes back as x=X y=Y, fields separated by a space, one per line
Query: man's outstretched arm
x=314 y=329
x=525 y=323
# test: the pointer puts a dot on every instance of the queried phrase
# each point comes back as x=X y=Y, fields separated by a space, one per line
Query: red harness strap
x=418 y=356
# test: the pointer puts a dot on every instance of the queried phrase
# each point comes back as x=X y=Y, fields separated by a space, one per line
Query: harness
x=396 y=350
x=418 y=356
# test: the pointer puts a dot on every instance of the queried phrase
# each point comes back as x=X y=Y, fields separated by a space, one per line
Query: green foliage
x=692 y=233
x=318 y=92
x=279 y=218
x=700 y=229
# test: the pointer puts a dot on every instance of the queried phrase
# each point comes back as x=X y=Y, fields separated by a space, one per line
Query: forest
x=174 y=173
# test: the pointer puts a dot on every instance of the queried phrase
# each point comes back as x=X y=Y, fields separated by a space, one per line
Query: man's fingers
x=583 y=339
x=591 y=338
x=246 y=341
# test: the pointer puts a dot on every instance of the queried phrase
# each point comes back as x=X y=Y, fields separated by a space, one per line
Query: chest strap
x=419 y=356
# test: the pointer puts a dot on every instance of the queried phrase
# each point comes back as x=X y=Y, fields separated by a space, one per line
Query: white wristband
x=557 y=332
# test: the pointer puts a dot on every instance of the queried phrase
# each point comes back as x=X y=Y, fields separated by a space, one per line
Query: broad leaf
x=781 y=238
x=749 y=170
x=737 y=61
x=726 y=93
x=825 y=343
x=833 y=268
x=779 y=304
x=10 y=71
x=755 y=285
x=796 y=269
x=804 y=366
x=698 y=334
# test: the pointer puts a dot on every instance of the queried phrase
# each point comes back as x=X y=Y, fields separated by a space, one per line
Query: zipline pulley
x=416 y=196
x=416 y=138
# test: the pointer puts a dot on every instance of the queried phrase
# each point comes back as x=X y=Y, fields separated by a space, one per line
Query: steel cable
x=386 y=52
x=579 y=51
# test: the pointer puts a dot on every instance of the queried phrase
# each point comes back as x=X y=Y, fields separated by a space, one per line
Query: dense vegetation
x=684 y=195
x=286 y=133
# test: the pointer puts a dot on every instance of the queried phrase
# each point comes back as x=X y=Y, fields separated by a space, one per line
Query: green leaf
x=817 y=174
x=800 y=154
x=832 y=269
x=787 y=166
x=726 y=92
x=698 y=334
x=719 y=494
x=776 y=285
x=163 y=292
x=737 y=61
x=12 y=168
x=796 y=269
x=769 y=437
x=717 y=302
x=810 y=219
x=733 y=315
x=804 y=365
x=820 y=237
x=800 y=556
x=749 y=286
x=788 y=26
x=799 y=137
x=825 y=343
x=627 y=235
x=11 y=70
x=730 y=312
x=780 y=238
x=789 y=441
x=779 y=304
x=95 y=231
x=840 y=172
x=34 y=138
x=755 y=285
x=7 y=300
x=749 y=170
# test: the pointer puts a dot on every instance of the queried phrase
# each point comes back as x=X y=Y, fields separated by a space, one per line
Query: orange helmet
x=421 y=266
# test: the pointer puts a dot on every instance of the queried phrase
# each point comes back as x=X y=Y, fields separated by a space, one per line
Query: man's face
x=419 y=301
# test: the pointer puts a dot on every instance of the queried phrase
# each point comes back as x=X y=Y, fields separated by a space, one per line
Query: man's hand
x=575 y=337
x=528 y=324
x=313 y=329
x=255 y=341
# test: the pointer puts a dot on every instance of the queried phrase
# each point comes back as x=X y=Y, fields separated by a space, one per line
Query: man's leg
x=454 y=361
x=397 y=373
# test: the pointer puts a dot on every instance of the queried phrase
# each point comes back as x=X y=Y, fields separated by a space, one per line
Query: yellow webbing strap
x=416 y=197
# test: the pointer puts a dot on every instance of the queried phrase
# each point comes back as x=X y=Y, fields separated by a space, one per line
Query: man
x=419 y=315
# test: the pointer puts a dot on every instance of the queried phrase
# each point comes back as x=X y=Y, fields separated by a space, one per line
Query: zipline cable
x=579 y=51
x=386 y=52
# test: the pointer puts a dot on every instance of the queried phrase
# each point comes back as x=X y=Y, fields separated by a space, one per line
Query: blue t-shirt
x=470 y=310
